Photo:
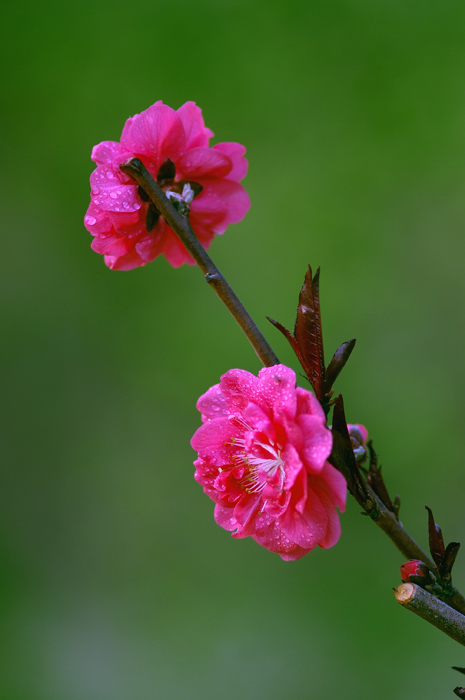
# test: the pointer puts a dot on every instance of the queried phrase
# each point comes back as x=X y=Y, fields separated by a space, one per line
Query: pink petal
x=157 y=132
x=174 y=251
x=336 y=485
x=115 y=245
x=197 y=134
x=226 y=200
x=240 y=387
x=129 y=223
x=224 y=517
x=307 y=529
x=109 y=194
x=260 y=421
x=150 y=245
x=106 y=152
x=268 y=533
x=318 y=442
x=125 y=262
x=278 y=389
x=213 y=440
x=212 y=404
x=244 y=512
x=333 y=531
x=294 y=465
x=236 y=154
x=96 y=221
x=203 y=162
x=308 y=403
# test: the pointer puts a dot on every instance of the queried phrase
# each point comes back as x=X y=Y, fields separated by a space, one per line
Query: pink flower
x=173 y=145
x=262 y=450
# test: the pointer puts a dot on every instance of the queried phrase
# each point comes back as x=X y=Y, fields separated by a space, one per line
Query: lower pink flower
x=263 y=450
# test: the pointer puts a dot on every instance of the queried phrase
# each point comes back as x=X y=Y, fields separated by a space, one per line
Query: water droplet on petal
x=90 y=220
x=125 y=205
x=113 y=195
x=110 y=175
x=136 y=206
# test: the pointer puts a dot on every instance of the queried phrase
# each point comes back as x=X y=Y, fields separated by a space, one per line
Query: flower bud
x=413 y=568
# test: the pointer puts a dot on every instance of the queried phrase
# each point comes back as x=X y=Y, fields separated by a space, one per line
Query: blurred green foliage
x=116 y=582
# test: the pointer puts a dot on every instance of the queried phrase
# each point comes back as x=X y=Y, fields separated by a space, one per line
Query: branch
x=403 y=541
x=180 y=225
x=432 y=610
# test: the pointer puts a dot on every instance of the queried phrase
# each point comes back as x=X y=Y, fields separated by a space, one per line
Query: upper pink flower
x=173 y=145
x=262 y=450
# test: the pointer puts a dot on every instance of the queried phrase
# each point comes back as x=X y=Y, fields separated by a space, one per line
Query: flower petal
x=235 y=152
x=110 y=194
x=202 y=162
x=227 y=201
x=336 y=485
x=157 y=132
x=106 y=152
x=212 y=404
x=197 y=134
x=317 y=442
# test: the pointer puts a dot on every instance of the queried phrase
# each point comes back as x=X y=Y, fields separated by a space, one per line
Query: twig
x=404 y=542
x=432 y=610
x=180 y=225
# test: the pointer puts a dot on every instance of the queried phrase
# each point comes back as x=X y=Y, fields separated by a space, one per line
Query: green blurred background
x=116 y=582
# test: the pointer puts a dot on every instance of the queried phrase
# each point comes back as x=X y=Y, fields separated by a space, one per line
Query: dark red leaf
x=342 y=455
x=376 y=481
x=308 y=333
x=337 y=363
x=436 y=540
x=448 y=562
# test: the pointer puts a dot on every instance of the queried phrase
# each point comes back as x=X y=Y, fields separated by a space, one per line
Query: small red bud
x=413 y=567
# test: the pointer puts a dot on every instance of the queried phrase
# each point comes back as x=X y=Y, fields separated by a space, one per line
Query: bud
x=358 y=435
x=412 y=569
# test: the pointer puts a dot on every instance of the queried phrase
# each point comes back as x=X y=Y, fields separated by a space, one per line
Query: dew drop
x=113 y=195
x=90 y=220
x=125 y=205
x=136 y=206
x=110 y=175
x=95 y=190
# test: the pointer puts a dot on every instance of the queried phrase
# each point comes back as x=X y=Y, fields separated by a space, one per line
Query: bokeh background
x=116 y=582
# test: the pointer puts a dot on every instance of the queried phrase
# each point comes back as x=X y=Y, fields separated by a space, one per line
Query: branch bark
x=433 y=610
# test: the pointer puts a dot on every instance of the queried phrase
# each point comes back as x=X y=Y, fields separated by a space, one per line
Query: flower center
x=264 y=464
x=181 y=193
x=263 y=469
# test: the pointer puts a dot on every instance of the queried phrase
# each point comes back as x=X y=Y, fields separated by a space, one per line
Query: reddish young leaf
x=337 y=363
x=449 y=560
x=342 y=456
x=308 y=333
x=376 y=481
x=436 y=540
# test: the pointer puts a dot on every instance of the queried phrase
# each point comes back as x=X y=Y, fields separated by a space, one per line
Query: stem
x=432 y=610
x=180 y=225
